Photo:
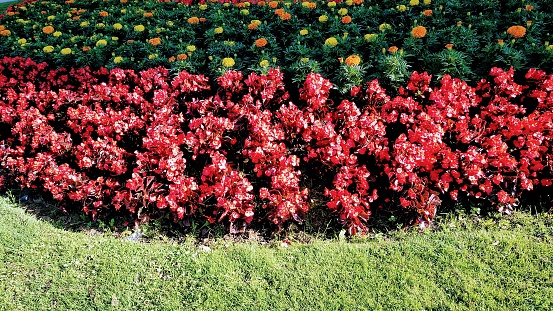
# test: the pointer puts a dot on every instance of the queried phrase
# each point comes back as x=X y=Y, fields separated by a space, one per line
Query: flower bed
x=149 y=144
x=391 y=39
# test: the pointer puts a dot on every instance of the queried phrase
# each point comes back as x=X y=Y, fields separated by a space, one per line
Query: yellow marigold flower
x=264 y=63
x=51 y=18
x=57 y=34
x=549 y=47
x=152 y=56
x=343 y=11
x=228 y=62
x=48 y=49
x=370 y=37
x=218 y=30
x=139 y=28
x=191 y=48
x=100 y=25
x=193 y=20
x=349 y=2
x=66 y=51
x=22 y=41
x=401 y=8
x=48 y=30
x=516 y=31
x=304 y=60
x=117 y=26
x=261 y=42
x=384 y=26
x=170 y=23
x=414 y=2
x=101 y=43
x=331 y=4
x=114 y=38
x=304 y=32
x=118 y=59
x=500 y=42
x=182 y=56
x=427 y=2
x=84 y=24
x=323 y=18
x=203 y=7
x=256 y=22
x=331 y=42
x=418 y=32
x=155 y=41
x=244 y=12
x=353 y=60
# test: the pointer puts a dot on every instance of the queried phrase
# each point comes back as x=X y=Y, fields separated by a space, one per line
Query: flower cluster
x=132 y=35
x=150 y=143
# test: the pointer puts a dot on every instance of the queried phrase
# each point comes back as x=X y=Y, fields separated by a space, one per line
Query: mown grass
x=5 y=5
x=468 y=264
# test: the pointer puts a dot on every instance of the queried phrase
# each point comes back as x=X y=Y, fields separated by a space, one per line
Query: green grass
x=5 y=5
x=468 y=264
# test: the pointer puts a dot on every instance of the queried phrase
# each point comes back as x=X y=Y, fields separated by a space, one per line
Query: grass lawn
x=5 y=5
x=467 y=264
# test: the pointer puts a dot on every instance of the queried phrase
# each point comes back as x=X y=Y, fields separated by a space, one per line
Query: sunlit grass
x=482 y=264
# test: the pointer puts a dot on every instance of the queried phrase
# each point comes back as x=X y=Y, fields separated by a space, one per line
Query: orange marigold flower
x=155 y=41
x=358 y=2
x=148 y=14
x=418 y=32
x=48 y=30
x=261 y=3
x=517 y=31
x=5 y=32
x=393 y=49
x=528 y=23
x=449 y=46
x=171 y=59
x=86 y=48
x=202 y=19
x=500 y=42
x=279 y=12
x=286 y=16
x=103 y=13
x=273 y=4
x=75 y=18
x=529 y=7
x=346 y=19
x=182 y=56
x=252 y=26
x=427 y=12
x=261 y=42
x=353 y=60
x=312 y=5
x=459 y=23
x=193 y=20
x=123 y=1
